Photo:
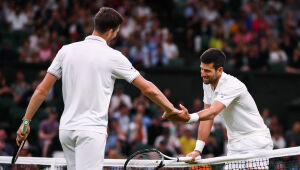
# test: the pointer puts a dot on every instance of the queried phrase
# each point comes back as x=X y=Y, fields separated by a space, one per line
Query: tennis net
x=280 y=159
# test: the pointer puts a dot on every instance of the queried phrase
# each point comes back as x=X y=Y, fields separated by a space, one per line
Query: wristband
x=199 y=145
x=194 y=117
x=26 y=120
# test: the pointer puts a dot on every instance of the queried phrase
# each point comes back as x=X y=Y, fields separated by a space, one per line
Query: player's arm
x=203 y=133
x=153 y=93
x=213 y=110
x=36 y=100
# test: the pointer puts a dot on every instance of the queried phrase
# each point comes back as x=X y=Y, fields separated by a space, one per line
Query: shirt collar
x=95 y=38
x=222 y=78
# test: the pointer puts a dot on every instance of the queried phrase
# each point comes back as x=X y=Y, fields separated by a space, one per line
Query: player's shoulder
x=70 y=46
x=229 y=81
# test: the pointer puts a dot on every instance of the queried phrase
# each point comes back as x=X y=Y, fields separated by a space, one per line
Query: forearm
x=36 y=100
x=204 y=129
x=154 y=94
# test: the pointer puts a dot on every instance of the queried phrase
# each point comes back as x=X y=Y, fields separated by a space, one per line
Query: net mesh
x=280 y=159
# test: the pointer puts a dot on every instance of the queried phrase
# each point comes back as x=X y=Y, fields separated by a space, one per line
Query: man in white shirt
x=88 y=70
x=226 y=96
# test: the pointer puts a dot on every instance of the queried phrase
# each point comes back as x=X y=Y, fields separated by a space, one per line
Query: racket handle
x=25 y=126
x=184 y=159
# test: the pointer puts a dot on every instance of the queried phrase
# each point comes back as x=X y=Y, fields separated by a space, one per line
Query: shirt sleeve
x=123 y=69
x=206 y=97
x=55 y=67
x=227 y=95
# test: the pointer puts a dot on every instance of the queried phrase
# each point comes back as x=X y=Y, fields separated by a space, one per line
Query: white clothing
x=116 y=100
x=172 y=143
x=17 y=21
x=89 y=69
x=241 y=116
x=277 y=57
x=279 y=143
x=170 y=50
x=83 y=149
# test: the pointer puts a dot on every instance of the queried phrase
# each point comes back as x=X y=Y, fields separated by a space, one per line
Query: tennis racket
x=151 y=159
x=24 y=130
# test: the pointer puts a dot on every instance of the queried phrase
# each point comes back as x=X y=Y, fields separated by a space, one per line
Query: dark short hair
x=107 y=18
x=215 y=56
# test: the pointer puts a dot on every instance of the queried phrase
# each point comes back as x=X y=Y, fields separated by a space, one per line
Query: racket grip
x=184 y=159
x=25 y=126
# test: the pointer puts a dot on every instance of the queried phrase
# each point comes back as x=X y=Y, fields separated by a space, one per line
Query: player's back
x=88 y=80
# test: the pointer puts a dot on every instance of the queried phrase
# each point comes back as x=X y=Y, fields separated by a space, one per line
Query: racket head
x=15 y=157
x=144 y=159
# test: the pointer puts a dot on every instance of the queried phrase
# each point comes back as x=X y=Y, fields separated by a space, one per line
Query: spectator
x=5 y=90
x=293 y=136
x=5 y=148
x=265 y=114
x=25 y=52
x=278 y=140
x=45 y=51
x=170 y=48
x=141 y=110
x=48 y=131
x=7 y=54
x=137 y=131
x=187 y=141
x=141 y=99
x=163 y=147
x=158 y=57
x=278 y=57
x=115 y=134
x=3 y=153
x=123 y=118
x=24 y=100
x=197 y=105
x=20 y=86
x=119 y=97
x=139 y=55
x=294 y=64
x=173 y=144
x=17 y=18
x=154 y=130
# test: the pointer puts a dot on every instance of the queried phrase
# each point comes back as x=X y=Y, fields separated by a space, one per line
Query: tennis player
x=226 y=96
x=88 y=70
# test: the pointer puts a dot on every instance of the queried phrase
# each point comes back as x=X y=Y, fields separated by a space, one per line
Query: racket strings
x=146 y=160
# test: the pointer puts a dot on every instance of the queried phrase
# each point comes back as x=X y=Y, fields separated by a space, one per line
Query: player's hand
x=194 y=155
x=171 y=113
x=181 y=115
x=20 y=136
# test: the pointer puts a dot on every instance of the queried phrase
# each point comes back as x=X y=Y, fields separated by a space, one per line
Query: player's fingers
x=182 y=107
x=164 y=115
x=17 y=141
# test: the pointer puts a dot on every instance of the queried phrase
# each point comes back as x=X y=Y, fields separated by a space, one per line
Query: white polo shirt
x=241 y=115
x=89 y=69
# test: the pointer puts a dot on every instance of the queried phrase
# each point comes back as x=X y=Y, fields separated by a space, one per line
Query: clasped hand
x=177 y=115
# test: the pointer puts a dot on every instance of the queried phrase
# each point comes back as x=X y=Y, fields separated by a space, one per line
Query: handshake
x=181 y=115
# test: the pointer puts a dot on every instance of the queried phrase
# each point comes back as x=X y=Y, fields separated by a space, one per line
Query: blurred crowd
x=134 y=123
x=255 y=35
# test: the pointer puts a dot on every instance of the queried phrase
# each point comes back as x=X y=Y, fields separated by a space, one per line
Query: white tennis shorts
x=248 y=144
x=83 y=149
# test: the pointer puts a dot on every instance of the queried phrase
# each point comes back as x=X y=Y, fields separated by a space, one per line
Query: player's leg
x=68 y=145
x=90 y=147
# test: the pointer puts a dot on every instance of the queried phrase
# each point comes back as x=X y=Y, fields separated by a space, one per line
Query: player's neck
x=214 y=85
x=104 y=36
